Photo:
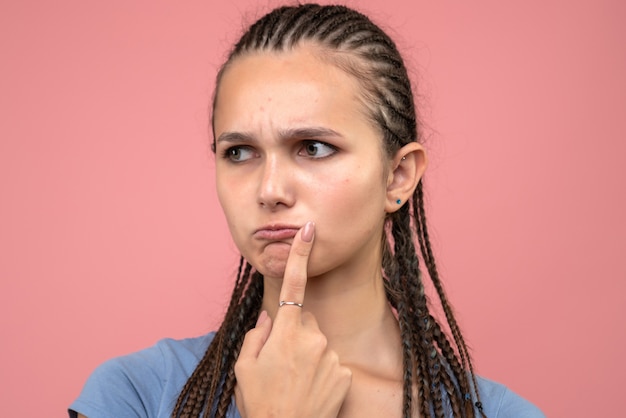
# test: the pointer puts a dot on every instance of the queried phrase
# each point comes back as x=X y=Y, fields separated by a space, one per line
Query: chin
x=271 y=267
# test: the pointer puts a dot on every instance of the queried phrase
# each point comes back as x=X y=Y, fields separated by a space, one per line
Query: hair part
x=438 y=373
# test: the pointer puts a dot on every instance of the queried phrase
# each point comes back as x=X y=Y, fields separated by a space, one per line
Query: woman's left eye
x=316 y=149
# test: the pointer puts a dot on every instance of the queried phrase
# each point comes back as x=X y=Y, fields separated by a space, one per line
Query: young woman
x=318 y=169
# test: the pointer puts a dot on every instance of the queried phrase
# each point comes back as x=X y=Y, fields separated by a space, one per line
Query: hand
x=285 y=369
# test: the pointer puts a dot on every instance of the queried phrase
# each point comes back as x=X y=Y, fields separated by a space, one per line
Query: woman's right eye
x=239 y=153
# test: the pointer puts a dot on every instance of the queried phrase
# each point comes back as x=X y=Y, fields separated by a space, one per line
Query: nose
x=275 y=188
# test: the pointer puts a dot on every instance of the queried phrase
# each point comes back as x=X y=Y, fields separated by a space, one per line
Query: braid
x=246 y=317
x=426 y=250
x=438 y=373
x=290 y=21
x=418 y=317
x=197 y=383
x=212 y=382
x=408 y=363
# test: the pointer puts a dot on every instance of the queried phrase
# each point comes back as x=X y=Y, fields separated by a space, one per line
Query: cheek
x=350 y=218
x=231 y=203
x=349 y=198
x=222 y=197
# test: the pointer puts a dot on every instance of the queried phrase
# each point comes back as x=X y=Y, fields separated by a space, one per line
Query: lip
x=276 y=232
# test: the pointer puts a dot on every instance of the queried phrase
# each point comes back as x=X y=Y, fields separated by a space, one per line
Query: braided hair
x=438 y=372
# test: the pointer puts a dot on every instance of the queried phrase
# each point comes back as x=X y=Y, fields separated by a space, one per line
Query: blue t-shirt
x=146 y=384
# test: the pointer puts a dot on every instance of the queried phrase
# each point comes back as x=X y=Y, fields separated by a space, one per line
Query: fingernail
x=262 y=317
x=307 y=232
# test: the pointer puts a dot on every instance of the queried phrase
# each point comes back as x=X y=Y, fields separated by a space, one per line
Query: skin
x=295 y=151
x=294 y=146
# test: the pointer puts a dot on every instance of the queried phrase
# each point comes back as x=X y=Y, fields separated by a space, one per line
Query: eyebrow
x=234 y=137
x=295 y=133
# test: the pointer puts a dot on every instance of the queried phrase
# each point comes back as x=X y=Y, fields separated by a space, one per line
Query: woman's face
x=293 y=145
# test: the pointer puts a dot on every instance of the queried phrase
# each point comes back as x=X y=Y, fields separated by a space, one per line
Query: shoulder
x=142 y=384
x=501 y=402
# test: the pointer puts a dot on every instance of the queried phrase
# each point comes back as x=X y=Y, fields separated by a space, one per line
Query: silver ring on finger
x=289 y=303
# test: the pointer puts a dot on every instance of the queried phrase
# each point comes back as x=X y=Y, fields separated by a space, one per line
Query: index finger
x=295 y=278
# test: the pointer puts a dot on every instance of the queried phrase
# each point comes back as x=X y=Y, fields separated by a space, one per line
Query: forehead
x=290 y=86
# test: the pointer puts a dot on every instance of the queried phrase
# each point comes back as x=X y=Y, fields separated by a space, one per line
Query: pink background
x=111 y=236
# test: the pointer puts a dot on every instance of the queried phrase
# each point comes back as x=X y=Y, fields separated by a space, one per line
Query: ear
x=407 y=167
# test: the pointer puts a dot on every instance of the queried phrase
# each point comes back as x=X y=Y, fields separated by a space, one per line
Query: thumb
x=255 y=338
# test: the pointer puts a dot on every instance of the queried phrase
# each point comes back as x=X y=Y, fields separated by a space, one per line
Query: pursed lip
x=276 y=232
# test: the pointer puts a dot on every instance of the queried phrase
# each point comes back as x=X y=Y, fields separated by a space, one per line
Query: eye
x=316 y=149
x=238 y=153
